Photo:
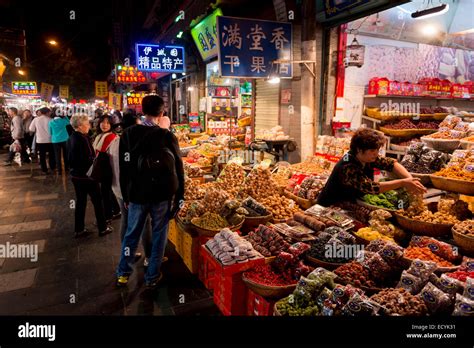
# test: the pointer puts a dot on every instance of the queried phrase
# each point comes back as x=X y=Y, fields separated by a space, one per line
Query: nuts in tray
x=466 y=228
x=400 y=302
x=192 y=190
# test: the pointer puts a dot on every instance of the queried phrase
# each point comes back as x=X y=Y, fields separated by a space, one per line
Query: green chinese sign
x=205 y=35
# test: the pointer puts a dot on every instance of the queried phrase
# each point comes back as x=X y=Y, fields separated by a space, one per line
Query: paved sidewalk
x=77 y=277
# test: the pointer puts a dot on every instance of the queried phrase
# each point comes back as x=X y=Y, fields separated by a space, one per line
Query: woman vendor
x=353 y=175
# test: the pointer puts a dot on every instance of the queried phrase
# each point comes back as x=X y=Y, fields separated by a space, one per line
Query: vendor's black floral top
x=350 y=179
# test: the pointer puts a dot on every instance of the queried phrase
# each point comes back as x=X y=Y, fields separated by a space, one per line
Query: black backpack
x=157 y=166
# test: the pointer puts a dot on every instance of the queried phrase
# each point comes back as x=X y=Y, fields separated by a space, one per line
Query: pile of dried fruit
x=267 y=241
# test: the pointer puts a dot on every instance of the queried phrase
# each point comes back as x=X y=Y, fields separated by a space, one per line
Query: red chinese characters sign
x=135 y=98
x=129 y=74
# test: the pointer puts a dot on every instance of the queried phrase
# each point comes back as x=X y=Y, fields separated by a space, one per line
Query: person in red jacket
x=102 y=141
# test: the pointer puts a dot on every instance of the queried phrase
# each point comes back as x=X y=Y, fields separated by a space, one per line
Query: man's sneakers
x=122 y=281
x=108 y=230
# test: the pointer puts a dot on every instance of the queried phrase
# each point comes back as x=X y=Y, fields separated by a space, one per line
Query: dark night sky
x=87 y=36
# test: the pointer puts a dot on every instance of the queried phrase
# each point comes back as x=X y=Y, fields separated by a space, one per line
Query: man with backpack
x=152 y=182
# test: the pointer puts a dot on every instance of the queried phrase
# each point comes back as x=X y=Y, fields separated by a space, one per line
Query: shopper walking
x=129 y=119
x=27 y=119
x=18 y=137
x=101 y=144
x=80 y=156
x=152 y=183
x=59 y=137
x=40 y=126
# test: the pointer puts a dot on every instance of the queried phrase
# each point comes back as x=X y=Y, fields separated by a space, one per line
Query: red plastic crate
x=258 y=305
x=230 y=292
x=206 y=269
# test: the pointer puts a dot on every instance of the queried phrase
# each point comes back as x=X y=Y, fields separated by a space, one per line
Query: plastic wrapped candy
x=391 y=253
x=463 y=306
x=298 y=249
x=435 y=300
x=467 y=264
x=422 y=269
x=283 y=260
x=378 y=268
x=441 y=249
x=323 y=296
x=322 y=273
x=341 y=294
x=411 y=283
x=446 y=284
x=307 y=288
x=359 y=305
x=469 y=289
x=345 y=237
x=376 y=245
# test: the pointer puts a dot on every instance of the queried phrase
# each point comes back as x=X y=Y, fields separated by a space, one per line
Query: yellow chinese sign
x=63 y=92
x=115 y=101
x=46 y=91
x=135 y=98
x=101 y=90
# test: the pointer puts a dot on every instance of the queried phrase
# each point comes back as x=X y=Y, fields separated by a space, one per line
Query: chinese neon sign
x=128 y=74
x=160 y=58
x=135 y=98
x=24 y=88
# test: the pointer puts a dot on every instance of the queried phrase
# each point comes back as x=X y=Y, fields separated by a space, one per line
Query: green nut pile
x=289 y=306
x=211 y=221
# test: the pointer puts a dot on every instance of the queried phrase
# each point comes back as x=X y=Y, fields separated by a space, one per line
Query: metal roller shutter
x=267 y=106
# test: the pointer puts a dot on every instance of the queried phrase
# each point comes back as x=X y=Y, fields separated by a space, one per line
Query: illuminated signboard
x=205 y=35
x=24 y=88
x=160 y=58
x=128 y=74
x=135 y=98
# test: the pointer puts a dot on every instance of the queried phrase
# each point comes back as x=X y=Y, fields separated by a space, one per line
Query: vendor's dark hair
x=101 y=119
x=366 y=139
x=129 y=119
x=153 y=105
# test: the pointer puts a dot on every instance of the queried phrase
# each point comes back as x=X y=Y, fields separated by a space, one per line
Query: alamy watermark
x=344 y=251
x=246 y=156
x=402 y=108
x=19 y=251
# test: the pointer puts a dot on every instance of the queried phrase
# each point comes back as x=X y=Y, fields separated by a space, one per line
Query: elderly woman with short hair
x=81 y=156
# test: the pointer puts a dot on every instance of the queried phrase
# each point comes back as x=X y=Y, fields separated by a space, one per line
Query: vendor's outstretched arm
x=400 y=171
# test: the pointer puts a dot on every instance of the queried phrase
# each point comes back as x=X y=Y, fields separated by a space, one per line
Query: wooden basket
x=445 y=145
x=253 y=222
x=268 y=291
x=440 y=116
x=423 y=228
x=466 y=243
x=406 y=132
x=211 y=233
x=303 y=203
x=454 y=185
x=320 y=263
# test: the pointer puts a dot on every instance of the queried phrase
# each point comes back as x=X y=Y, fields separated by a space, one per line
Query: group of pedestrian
x=45 y=135
x=141 y=180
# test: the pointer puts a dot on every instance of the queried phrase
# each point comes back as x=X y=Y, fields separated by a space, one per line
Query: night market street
x=35 y=208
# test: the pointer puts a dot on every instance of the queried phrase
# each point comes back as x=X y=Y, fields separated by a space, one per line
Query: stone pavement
x=77 y=277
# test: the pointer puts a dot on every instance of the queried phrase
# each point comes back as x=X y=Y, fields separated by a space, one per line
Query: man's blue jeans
x=137 y=214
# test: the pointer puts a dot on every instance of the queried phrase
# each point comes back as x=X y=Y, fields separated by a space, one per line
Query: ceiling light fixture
x=430 y=12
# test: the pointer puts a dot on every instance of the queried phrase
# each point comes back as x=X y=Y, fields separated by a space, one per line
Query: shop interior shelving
x=372 y=100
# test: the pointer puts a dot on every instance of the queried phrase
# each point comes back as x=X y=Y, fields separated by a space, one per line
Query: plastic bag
x=446 y=284
x=469 y=289
x=463 y=306
x=359 y=305
x=411 y=283
x=378 y=268
x=391 y=253
x=435 y=300
x=422 y=269
x=298 y=249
